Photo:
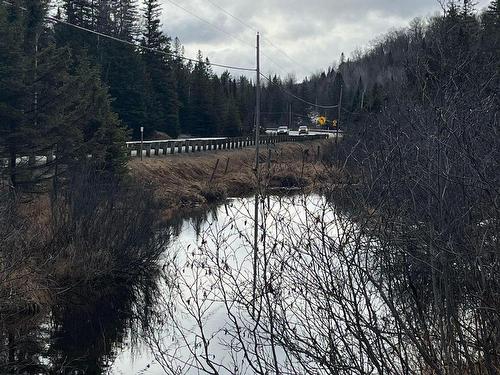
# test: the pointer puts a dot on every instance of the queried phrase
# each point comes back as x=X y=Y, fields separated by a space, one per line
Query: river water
x=226 y=229
x=183 y=319
x=330 y=292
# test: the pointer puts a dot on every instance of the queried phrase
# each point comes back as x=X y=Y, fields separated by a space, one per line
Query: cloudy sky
x=310 y=34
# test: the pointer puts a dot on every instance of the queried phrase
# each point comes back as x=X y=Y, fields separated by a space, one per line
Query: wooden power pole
x=256 y=221
x=338 y=117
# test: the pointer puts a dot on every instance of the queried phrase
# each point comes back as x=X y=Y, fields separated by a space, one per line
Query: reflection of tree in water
x=19 y=343
x=196 y=219
x=83 y=335
x=200 y=218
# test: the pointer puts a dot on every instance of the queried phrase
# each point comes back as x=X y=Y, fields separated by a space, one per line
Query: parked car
x=283 y=130
x=303 y=130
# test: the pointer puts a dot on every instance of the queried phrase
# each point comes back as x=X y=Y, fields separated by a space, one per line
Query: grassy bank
x=183 y=183
x=97 y=234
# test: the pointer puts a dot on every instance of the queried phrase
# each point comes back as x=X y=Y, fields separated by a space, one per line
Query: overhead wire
x=268 y=41
x=148 y=48
x=263 y=54
x=298 y=97
x=135 y=45
x=295 y=114
x=265 y=39
x=226 y=66
x=209 y=23
x=233 y=16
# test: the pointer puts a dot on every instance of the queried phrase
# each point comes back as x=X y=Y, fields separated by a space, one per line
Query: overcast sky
x=313 y=33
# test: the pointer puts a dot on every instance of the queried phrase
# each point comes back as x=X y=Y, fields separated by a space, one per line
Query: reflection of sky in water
x=231 y=226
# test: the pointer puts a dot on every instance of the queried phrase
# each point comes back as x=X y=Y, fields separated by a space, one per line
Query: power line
x=146 y=48
x=297 y=97
x=233 y=16
x=123 y=41
x=266 y=39
x=284 y=53
x=295 y=114
x=210 y=24
x=273 y=61
x=224 y=31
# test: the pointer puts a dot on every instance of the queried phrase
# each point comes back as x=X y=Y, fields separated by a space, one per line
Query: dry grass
x=23 y=288
x=42 y=257
x=99 y=233
x=184 y=183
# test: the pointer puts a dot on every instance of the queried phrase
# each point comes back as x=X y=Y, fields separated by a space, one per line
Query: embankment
x=100 y=233
x=184 y=183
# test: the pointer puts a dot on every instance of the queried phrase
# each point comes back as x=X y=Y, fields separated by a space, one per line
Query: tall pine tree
x=50 y=103
x=162 y=102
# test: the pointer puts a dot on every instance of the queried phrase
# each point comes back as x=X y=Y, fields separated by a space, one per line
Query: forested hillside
x=71 y=90
x=161 y=91
x=412 y=57
x=175 y=96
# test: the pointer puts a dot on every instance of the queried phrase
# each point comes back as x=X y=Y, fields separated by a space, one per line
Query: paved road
x=311 y=132
x=41 y=160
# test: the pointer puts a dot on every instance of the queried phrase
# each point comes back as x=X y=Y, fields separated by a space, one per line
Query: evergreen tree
x=335 y=88
x=121 y=65
x=103 y=134
x=232 y=126
x=123 y=72
x=125 y=19
x=50 y=103
x=491 y=18
x=468 y=8
x=358 y=96
x=79 y=12
x=218 y=107
x=13 y=88
x=375 y=104
x=163 y=107
x=201 y=100
x=182 y=75
x=245 y=101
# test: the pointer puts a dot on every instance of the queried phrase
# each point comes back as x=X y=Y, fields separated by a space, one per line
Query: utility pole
x=256 y=221
x=36 y=79
x=142 y=140
x=290 y=116
x=32 y=154
x=338 y=119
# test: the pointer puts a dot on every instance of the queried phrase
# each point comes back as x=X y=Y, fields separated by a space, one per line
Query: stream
x=149 y=327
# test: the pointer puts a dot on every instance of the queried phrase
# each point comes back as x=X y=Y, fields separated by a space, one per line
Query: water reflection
x=224 y=236
x=121 y=330
x=82 y=335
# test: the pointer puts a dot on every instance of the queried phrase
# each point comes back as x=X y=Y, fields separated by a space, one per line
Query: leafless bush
x=403 y=277
x=98 y=243
x=338 y=292
x=104 y=228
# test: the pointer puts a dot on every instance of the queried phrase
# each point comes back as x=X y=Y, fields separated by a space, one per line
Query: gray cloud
x=312 y=32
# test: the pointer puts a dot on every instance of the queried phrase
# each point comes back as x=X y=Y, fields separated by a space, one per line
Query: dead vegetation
x=97 y=234
x=183 y=183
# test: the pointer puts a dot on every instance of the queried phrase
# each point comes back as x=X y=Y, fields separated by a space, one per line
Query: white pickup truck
x=283 y=130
